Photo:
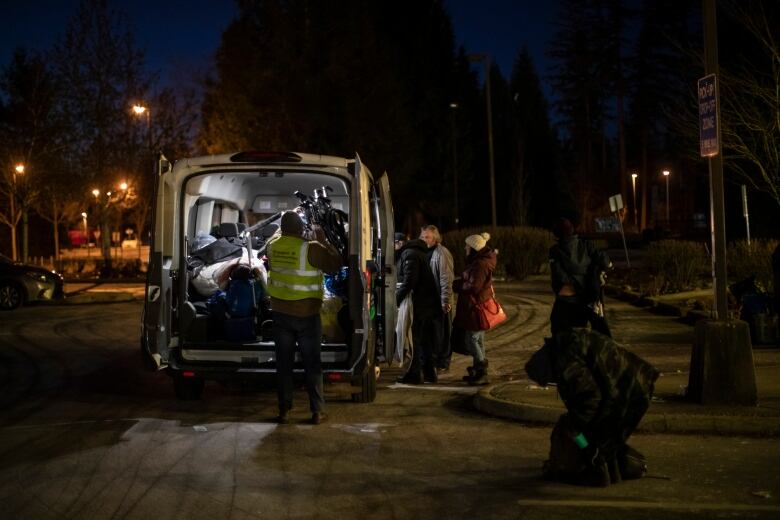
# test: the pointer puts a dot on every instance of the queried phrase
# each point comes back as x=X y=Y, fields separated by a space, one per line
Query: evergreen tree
x=582 y=95
x=376 y=77
x=661 y=75
x=535 y=151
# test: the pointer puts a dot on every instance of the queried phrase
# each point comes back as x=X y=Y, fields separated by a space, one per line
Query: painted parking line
x=629 y=504
x=438 y=388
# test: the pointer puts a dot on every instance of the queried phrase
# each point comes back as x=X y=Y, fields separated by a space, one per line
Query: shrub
x=677 y=265
x=521 y=250
x=743 y=260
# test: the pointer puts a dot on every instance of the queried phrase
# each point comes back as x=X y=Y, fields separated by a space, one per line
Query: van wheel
x=367 y=392
x=188 y=388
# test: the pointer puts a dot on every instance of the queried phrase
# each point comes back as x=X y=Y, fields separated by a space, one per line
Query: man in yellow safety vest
x=295 y=286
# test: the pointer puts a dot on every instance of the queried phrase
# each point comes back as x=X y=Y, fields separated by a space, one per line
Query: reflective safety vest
x=291 y=276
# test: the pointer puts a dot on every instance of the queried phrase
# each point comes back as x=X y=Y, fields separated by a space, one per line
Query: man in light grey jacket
x=443 y=272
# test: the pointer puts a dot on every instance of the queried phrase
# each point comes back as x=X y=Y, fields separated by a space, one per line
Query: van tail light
x=188 y=373
x=334 y=377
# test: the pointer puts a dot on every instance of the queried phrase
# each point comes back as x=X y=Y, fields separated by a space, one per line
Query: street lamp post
x=14 y=252
x=633 y=189
x=485 y=58
x=453 y=107
x=86 y=230
x=666 y=174
x=140 y=110
x=18 y=170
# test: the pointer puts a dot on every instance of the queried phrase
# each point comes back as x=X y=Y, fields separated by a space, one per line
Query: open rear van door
x=157 y=319
x=359 y=253
x=386 y=276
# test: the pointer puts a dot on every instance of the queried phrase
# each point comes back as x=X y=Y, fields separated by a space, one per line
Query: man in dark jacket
x=416 y=278
x=576 y=267
x=606 y=390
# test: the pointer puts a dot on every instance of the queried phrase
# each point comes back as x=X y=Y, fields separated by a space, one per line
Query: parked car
x=23 y=283
x=229 y=206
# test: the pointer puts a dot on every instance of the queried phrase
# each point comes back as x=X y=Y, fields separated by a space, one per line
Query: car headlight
x=38 y=277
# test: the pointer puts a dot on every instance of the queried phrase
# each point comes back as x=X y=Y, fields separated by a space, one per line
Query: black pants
x=422 y=337
x=306 y=334
x=566 y=315
x=440 y=331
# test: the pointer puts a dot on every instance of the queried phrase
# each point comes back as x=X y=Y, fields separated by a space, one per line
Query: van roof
x=255 y=157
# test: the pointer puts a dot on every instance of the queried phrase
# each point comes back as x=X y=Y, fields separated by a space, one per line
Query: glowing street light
x=96 y=193
x=633 y=189
x=19 y=169
x=666 y=174
x=123 y=186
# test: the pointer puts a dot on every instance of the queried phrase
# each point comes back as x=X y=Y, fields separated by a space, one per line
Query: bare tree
x=28 y=139
x=102 y=70
x=750 y=112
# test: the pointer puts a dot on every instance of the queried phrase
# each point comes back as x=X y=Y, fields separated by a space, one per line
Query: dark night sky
x=180 y=36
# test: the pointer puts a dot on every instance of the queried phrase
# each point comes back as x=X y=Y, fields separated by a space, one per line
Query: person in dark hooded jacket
x=576 y=269
x=606 y=390
x=416 y=278
x=474 y=286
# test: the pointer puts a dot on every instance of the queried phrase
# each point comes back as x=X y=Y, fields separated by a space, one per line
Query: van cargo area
x=226 y=317
x=207 y=313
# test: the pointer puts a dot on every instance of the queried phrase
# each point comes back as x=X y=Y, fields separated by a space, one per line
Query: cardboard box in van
x=202 y=321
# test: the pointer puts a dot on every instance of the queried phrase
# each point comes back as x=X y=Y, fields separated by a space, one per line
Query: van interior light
x=188 y=373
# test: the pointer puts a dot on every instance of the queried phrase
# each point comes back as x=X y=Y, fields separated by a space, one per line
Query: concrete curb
x=97 y=297
x=730 y=425
x=666 y=309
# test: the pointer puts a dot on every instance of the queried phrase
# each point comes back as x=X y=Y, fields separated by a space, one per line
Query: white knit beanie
x=477 y=242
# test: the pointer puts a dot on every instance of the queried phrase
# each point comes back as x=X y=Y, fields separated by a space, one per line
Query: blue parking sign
x=709 y=137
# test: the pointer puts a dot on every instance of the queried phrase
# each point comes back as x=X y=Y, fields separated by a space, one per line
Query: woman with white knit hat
x=475 y=286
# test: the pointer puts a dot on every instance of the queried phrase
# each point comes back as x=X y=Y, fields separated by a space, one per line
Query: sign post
x=722 y=370
x=709 y=146
x=615 y=205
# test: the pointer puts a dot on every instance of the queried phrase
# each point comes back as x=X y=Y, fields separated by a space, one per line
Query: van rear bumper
x=258 y=367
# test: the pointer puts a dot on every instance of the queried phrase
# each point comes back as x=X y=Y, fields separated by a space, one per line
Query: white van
x=224 y=202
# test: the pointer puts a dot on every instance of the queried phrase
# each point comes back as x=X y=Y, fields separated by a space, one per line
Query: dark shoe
x=480 y=378
x=596 y=476
x=283 y=418
x=480 y=375
x=430 y=376
x=614 y=471
x=318 y=418
x=470 y=374
x=410 y=378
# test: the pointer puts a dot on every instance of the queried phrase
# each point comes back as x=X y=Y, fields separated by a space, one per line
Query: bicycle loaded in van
x=207 y=313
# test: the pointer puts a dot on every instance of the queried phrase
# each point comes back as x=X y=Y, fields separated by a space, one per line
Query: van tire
x=367 y=392
x=188 y=388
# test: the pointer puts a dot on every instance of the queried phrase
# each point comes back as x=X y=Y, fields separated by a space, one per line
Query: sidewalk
x=77 y=293
x=665 y=340
x=668 y=413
